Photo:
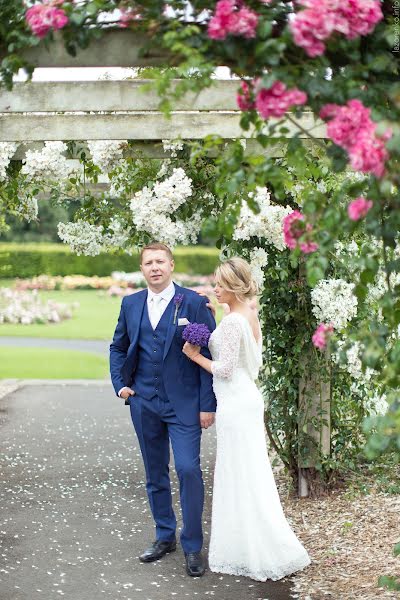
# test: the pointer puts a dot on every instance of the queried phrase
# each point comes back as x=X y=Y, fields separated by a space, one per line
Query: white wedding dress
x=249 y=532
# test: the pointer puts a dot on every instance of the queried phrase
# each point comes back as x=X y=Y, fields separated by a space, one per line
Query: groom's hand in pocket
x=126 y=392
x=207 y=419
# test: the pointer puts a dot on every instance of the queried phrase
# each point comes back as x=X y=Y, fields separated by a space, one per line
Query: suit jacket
x=188 y=386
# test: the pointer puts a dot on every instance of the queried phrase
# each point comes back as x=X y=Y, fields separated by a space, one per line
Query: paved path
x=73 y=505
x=98 y=346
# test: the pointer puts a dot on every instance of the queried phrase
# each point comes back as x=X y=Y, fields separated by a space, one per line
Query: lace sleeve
x=231 y=333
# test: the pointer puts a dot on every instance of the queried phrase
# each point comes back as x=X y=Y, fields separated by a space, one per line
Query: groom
x=170 y=397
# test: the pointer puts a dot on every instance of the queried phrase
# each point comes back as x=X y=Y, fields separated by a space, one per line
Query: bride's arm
x=229 y=353
x=193 y=353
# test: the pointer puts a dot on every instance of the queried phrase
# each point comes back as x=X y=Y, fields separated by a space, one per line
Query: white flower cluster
x=27 y=307
x=258 y=260
x=380 y=286
x=268 y=224
x=297 y=192
x=377 y=289
x=119 y=235
x=106 y=154
x=216 y=204
x=334 y=302
x=28 y=207
x=321 y=187
x=353 y=363
x=151 y=210
x=172 y=146
x=373 y=401
x=348 y=250
x=363 y=384
x=163 y=169
x=377 y=404
x=118 y=180
x=47 y=163
x=7 y=151
x=82 y=237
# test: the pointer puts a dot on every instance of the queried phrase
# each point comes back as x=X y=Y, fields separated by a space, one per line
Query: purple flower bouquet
x=197 y=334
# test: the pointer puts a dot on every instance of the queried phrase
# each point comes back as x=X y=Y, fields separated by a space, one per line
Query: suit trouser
x=156 y=423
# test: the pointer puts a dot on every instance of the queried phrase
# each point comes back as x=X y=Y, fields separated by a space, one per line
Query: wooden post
x=314 y=416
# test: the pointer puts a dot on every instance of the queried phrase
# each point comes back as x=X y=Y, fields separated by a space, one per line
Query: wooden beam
x=127 y=95
x=156 y=151
x=136 y=126
x=114 y=48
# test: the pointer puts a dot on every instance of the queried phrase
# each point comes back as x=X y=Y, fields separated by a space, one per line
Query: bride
x=249 y=532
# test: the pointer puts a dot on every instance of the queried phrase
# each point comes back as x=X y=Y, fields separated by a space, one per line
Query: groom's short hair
x=156 y=246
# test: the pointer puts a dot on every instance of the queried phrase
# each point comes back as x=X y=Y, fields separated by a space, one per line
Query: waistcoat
x=148 y=378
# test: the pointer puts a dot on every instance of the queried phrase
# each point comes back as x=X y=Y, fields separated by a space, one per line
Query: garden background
x=297 y=172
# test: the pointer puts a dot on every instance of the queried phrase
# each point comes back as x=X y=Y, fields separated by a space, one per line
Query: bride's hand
x=190 y=350
x=209 y=304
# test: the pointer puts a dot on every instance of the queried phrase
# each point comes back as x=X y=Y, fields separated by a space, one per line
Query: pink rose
x=243 y=98
x=358 y=208
x=229 y=19
x=245 y=23
x=347 y=121
x=351 y=127
x=368 y=154
x=322 y=18
x=321 y=335
x=128 y=15
x=295 y=227
x=276 y=100
x=308 y=247
x=41 y=18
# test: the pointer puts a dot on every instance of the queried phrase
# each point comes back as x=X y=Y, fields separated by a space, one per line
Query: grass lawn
x=94 y=319
x=44 y=363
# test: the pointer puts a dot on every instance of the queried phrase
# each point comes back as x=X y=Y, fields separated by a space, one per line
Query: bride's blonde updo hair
x=234 y=275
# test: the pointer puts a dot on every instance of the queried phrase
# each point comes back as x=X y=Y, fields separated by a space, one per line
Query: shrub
x=29 y=260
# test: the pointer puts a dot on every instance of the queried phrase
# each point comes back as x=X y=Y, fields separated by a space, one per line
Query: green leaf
x=264 y=29
x=314 y=274
x=389 y=582
x=77 y=18
x=267 y=80
x=92 y=8
x=367 y=276
x=393 y=144
x=361 y=291
x=71 y=48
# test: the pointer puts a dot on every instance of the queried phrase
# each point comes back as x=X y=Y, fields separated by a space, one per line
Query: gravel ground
x=74 y=508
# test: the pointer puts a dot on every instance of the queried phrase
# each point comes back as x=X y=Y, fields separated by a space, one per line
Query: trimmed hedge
x=28 y=260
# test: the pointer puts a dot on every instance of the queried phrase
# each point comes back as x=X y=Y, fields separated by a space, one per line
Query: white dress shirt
x=156 y=305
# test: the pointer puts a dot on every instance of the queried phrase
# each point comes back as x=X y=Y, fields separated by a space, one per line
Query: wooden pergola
x=118 y=109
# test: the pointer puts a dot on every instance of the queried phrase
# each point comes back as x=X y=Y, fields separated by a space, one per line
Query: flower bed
x=118 y=284
x=24 y=307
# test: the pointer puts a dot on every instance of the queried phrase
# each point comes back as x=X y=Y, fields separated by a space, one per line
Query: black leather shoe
x=157 y=550
x=195 y=566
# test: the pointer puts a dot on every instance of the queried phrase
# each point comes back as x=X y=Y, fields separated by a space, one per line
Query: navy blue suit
x=171 y=391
